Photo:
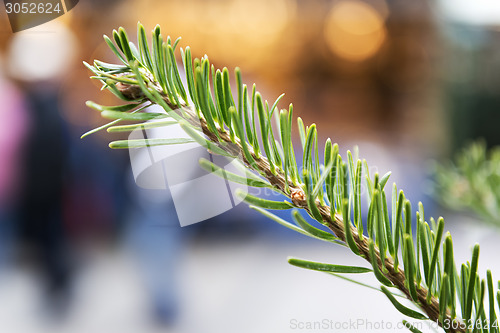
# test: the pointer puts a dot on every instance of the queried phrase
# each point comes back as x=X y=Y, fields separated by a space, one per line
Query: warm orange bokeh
x=354 y=30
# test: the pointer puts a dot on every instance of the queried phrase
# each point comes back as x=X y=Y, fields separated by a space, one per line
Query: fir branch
x=471 y=181
x=329 y=192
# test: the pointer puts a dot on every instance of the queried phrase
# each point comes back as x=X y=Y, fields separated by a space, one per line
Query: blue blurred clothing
x=158 y=242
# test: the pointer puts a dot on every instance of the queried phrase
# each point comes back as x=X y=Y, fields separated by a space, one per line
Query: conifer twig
x=420 y=264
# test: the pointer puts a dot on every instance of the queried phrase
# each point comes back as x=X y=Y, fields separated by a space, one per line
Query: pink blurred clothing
x=13 y=125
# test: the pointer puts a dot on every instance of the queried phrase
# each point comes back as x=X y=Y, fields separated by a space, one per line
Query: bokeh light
x=354 y=30
x=42 y=53
x=233 y=31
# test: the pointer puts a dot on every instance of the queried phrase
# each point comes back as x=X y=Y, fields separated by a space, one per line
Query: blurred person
x=35 y=62
x=39 y=208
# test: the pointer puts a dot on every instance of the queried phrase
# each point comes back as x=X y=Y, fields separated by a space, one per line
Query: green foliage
x=400 y=307
x=471 y=181
x=127 y=144
x=316 y=266
x=328 y=188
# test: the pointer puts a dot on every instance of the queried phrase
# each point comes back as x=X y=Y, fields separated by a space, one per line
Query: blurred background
x=83 y=249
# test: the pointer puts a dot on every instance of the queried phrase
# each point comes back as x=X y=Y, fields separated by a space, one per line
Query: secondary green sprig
x=471 y=181
x=327 y=188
